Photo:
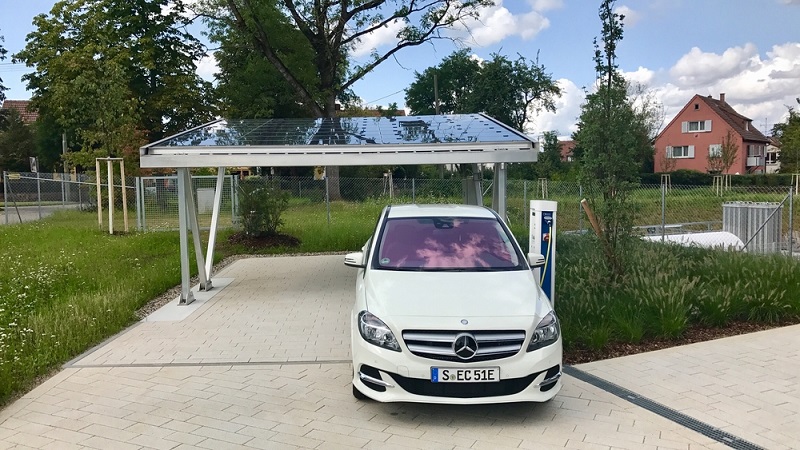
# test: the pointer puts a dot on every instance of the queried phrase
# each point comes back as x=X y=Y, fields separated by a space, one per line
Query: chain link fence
x=759 y=218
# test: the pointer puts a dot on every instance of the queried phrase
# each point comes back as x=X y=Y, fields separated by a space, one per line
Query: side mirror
x=354 y=260
x=536 y=260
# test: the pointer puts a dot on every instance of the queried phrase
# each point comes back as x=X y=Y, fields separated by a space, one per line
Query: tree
x=142 y=42
x=3 y=88
x=510 y=91
x=455 y=79
x=724 y=157
x=610 y=135
x=248 y=85
x=550 y=158
x=17 y=144
x=788 y=133
x=332 y=29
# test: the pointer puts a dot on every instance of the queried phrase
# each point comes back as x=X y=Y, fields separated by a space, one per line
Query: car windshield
x=446 y=243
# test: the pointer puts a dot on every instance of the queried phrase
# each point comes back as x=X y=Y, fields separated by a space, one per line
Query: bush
x=261 y=206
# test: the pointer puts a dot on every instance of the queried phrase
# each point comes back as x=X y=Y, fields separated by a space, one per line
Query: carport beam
x=191 y=210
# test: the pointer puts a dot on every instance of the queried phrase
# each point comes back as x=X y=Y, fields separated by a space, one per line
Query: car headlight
x=374 y=331
x=546 y=332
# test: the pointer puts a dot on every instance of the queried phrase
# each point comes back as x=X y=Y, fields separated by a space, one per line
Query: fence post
x=139 y=201
x=525 y=211
x=791 y=222
x=413 y=190
x=39 y=193
x=327 y=199
x=5 y=196
x=663 y=210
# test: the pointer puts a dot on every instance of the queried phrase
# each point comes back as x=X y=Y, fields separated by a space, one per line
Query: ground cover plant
x=67 y=285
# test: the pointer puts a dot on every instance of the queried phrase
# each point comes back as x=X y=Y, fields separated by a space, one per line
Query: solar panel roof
x=457 y=138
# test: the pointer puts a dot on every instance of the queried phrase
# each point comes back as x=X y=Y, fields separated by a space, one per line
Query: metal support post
x=138 y=193
x=186 y=293
x=191 y=210
x=212 y=233
x=580 y=208
x=124 y=193
x=413 y=190
x=499 y=190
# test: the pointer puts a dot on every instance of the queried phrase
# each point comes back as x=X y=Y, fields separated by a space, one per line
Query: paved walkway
x=263 y=363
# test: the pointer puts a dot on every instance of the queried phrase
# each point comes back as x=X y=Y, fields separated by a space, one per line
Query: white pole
x=110 y=168
x=124 y=194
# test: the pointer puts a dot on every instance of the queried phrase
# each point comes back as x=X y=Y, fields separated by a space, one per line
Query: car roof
x=437 y=210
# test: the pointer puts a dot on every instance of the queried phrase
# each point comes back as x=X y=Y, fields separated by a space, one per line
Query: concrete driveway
x=262 y=361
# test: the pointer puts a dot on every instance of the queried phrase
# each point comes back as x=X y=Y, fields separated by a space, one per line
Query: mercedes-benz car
x=447 y=310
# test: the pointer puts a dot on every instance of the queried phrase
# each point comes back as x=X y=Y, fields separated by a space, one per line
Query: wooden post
x=99 y=194
x=592 y=218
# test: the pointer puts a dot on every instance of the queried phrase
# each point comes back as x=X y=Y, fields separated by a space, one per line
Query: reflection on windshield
x=446 y=243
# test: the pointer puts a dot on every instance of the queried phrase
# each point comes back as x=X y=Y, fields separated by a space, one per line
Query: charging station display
x=542 y=240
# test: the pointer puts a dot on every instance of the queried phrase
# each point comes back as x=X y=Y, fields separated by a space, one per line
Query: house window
x=773 y=157
x=715 y=150
x=697 y=126
x=696 y=106
x=755 y=150
x=680 y=151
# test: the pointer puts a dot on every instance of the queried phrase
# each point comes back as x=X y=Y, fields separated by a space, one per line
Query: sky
x=747 y=49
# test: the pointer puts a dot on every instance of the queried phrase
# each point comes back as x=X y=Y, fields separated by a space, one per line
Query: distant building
x=699 y=130
x=566 y=150
x=773 y=159
x=26 y=113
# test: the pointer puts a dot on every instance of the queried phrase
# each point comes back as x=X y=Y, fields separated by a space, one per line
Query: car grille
x=438 y=345
x=464 y=390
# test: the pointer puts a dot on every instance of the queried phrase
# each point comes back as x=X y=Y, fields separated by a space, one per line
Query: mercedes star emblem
x=465 y=346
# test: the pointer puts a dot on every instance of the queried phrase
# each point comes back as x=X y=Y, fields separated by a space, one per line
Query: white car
x=447 y=310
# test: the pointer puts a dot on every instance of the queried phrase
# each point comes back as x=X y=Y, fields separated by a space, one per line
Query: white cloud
x=207 y=67
x=641 y=75
x=790 y=2
x=755 y=86
x=385 y=35
x=546 y=5
x=631 y=16
x=698 y=67
x=496 y=23
x=568 y=108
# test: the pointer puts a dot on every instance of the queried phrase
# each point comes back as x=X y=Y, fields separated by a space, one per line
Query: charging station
x=542 y=240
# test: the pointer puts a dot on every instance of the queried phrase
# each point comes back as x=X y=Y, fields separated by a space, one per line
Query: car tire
x=358 y=395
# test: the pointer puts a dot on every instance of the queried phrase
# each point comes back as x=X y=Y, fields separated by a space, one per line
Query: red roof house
x=27 y=114
x=699 y=129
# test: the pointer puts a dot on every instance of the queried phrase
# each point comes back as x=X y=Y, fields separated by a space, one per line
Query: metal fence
x=762 y=218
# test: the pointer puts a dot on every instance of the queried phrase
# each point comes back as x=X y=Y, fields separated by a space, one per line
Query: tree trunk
x=332 y=172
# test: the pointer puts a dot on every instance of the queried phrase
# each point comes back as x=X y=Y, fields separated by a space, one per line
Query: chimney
x=722 y=97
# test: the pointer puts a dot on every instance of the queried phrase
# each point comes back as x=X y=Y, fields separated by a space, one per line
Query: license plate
x=454 y=375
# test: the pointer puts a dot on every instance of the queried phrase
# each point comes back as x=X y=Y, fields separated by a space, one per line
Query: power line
x=386 y=96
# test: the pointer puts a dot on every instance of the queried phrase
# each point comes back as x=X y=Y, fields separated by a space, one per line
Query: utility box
x=745 y=219
x=542 y=240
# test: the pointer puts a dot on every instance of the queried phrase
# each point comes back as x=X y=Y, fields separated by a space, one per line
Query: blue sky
x=748 y=49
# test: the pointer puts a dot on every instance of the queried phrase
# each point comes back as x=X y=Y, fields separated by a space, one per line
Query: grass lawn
x=66 y=285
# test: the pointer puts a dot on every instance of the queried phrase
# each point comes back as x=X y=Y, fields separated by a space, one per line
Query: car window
x=446 y=243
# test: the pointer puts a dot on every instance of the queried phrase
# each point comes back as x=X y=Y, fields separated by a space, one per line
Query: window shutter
x=708 y=125
x=684 y=127
x=669 y=151
x=691 y=151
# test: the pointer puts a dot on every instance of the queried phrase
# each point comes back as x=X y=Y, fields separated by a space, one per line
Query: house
x=566 y=148
x=700 y=129
x=773 y=160
x=27 y=114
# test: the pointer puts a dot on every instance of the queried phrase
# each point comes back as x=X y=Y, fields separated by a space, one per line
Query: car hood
x=454 y=294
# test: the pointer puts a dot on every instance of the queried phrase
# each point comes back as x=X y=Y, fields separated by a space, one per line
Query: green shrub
x=261 y=205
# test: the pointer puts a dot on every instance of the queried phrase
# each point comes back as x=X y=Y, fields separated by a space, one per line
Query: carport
x=345 y=141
